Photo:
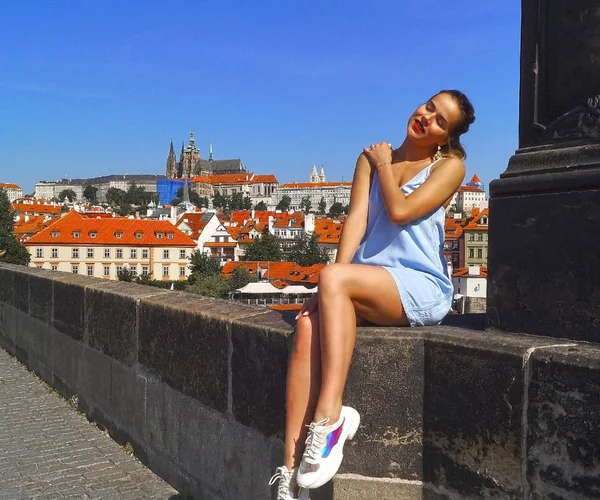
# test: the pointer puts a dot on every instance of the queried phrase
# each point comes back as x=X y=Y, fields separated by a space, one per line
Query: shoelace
x=315 y=440
x=284 y=477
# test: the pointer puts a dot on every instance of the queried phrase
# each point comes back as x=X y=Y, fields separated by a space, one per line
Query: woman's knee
x=307 y=331
x=331 y=277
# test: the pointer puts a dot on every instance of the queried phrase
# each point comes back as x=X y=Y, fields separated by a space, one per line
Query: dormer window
x=159 y=236
x=138 y=235
x=118 y=235
x=93 y=234
x=170 y=235
x=76 y=234
x=54 y=234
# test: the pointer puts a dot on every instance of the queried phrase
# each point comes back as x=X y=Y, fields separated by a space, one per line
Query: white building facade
x=13 y=191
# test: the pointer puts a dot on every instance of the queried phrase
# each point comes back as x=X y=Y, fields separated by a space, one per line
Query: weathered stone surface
x=128 y=399
x=386 y=368
x=188 y=349
x=67 y=361
x=162 y=419
x=563 y=449
x=543 y=281
x=7 y=290
x=21 y=291
x=97 y=379
x=347 y=487
x=473 y=393
x=40 y=298
x=68 y=309
x=259 y=370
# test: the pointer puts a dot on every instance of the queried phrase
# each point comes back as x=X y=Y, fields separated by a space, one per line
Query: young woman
x=389 y=271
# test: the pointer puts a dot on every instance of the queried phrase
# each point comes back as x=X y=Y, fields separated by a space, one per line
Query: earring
x=438 y=155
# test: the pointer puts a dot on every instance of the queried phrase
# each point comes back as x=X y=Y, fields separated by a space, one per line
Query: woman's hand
x=310 y=306
x=379 y=154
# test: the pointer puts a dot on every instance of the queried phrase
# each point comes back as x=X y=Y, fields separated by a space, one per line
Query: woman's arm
x=356 y=222
x=441 y=184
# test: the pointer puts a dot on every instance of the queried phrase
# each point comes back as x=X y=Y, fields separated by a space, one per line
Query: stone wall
x=475 y=305
x=197 y=386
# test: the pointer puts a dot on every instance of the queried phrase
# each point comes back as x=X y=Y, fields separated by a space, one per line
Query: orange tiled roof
x=453 y=228
x=474 y=222
x=266 y=178
x=204 y=180
x=470 y=189
x=302 y=275
x=464 y=271
x=475 y=180
x=106 y=231
x=328 y=231
x=220 y=244
x=33 y=225
x=314 y=185
x=241 y=178
x=8 y=185
x=195 y=222
x=40 y=208
x=233 y=231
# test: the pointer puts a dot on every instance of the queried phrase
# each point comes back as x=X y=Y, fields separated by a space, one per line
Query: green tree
x=115 y=196
x=236 y=201
x=67 y=193
x=306 y=251
x=261 y=206
x=203 y=265
x=247 y=203
x=306 y=204
x=215 y=285
x=267 y=248
x=125 y=209
x=284 y=203
x=336 y=209
x=90 y=193
x=15 y=252
x=125 y=275
x=240 y=278
x=322 y=205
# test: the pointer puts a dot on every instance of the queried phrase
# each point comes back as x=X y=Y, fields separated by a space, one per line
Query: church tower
x=189 y=158
x=322 y=175
x=172 y=163
x=314 y=177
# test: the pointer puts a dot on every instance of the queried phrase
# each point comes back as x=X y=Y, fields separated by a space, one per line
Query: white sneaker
x=284 y=489
x=324 y=449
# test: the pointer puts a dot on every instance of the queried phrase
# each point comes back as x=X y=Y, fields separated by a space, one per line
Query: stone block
x=386 y=368
x=7 y=291
x=259 y=370
x=96 y=385
x=34 y=336
x=203 y=439
x=128 y=399
x=366 y=488
x=68 y=308
x=563 y=448
x=21 y=292
x=40 y=298
x=163 y=407
x=67 y=360
x=473 y=394
x=187 y=345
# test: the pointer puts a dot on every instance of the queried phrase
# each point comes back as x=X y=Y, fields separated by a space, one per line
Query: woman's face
x=430 y=124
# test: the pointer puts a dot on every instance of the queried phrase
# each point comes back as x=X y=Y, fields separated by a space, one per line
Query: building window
x=55 y=253
x=133 y=253
x=119 y=270
x=75 y=269
x=75 y=253
x=107 y=253
x=145 y=253
x=182 y=254
x=119 y=254
x=54 y=268
x=182 y=271
x=159 y=236
x=93 y=234
x=138 y=235
x=170 y=236
x=133 y=270
x=106 y=270
x=90 y=253
x=90 y=270
x=39 y=253
x=118 y=235
x=480 y=253
x=471 y=253
x=166 y=271
x=479 y=237
x=165 y=254
x=76 y=234
x=144 y=270
x=54 y=234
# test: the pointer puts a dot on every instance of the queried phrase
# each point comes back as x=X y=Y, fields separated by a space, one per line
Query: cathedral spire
x=210 y=153
x=322 y=175
x=192 y=141
x=171 y=163
x=314 y=176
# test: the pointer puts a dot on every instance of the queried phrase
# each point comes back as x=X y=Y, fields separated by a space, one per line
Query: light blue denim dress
x=412 y=253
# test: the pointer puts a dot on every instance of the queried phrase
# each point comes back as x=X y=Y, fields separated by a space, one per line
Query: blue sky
x=100 y=87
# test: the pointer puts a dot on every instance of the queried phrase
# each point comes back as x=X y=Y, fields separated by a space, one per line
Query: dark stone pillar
x=544 y=259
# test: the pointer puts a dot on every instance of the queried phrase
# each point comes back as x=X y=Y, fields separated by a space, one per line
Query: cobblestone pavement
x=48 y=450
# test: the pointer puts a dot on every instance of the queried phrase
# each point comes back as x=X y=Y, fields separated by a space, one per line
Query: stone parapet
x=197 y=386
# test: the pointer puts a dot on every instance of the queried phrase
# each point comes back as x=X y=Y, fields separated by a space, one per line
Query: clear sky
x=95 y=87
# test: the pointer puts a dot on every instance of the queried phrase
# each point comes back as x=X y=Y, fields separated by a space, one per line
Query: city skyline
x=102 y=89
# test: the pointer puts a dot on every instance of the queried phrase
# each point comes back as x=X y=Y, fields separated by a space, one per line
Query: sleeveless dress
x=411 y=253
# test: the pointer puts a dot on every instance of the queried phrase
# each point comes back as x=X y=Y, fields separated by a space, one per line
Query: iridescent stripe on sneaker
x=332 y=439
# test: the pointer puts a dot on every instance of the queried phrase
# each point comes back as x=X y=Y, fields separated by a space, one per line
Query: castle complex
x=190 y=163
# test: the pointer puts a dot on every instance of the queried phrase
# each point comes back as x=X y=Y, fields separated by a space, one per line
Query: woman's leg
x=348 y=291
x=303 y=385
